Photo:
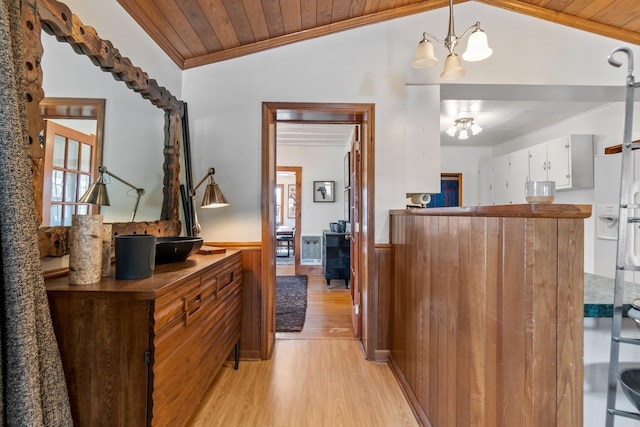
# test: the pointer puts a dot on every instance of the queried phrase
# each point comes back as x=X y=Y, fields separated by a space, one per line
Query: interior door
x=354 y=219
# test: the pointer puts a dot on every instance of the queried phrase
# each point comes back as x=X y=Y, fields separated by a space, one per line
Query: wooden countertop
x=165 y=278
x=528 y=210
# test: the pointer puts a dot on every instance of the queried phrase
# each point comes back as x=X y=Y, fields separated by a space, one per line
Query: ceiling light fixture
x=477 y=49
x=462 y=127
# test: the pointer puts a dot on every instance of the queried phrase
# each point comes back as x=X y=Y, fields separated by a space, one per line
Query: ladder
x=624 y=262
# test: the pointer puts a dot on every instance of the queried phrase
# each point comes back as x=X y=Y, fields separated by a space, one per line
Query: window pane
x=69 y=210
x=82 y=209
x=70 y=185
x=55 y=218
x=73 y=154
x=83 y=184
x=85 y=158
x=56 y=185
x=58 y=151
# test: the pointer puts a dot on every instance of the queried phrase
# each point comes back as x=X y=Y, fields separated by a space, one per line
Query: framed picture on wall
x=291 y=201
x=324 y=191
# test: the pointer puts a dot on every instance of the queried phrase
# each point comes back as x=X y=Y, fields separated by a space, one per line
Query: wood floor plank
x=306 y=383
x=317 y=377
x=328 y=309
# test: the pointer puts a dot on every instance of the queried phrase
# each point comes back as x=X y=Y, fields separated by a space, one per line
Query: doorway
x=289 y=214
x=363 y=223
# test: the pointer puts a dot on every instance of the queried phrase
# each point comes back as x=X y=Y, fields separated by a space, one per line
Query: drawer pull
x=224 y=281
x=192 y=307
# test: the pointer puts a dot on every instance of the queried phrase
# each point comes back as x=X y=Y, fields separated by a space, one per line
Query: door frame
x=297 y=170
x=363 y=114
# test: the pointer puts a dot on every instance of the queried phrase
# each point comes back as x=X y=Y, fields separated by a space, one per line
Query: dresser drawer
x=183 y=302
x=219 y=278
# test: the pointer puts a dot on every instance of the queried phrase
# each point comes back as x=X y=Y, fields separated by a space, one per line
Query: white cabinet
x=500 y=187
x=568 y=161
x=518 y=175
x=510 y=172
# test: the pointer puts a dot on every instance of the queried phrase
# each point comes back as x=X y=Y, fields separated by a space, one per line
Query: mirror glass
x=133 y=137
x=72 y=141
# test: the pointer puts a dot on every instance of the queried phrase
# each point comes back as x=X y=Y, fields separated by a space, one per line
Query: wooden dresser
x=143 y=352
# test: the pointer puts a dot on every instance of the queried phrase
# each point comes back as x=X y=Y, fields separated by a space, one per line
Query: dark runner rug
x=291 y=303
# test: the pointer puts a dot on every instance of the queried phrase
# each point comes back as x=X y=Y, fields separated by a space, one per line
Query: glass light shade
x=463 y=134
x=97 y=193
x=475 y=129
x=477 y=47
x=425 y=57
x=452 y=68
x=213 y=197
x=452 y=131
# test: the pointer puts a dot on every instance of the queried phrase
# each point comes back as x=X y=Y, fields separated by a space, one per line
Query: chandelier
x=462 y=127
x=477 y=49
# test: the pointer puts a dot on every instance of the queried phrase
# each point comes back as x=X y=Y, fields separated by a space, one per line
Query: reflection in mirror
x=72 y=144
x=133 y=129
x=139 y=137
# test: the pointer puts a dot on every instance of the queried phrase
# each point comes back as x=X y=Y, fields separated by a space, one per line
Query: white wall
x=369 y=64
x=133 y=127
x=319 y=163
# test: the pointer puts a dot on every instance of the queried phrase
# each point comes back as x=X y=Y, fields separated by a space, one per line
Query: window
x=68 y=171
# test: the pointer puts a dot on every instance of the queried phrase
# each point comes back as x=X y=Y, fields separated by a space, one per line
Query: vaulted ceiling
x=199 y=32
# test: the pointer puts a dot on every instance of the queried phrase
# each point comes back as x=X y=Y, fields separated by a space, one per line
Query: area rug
x=291 y=303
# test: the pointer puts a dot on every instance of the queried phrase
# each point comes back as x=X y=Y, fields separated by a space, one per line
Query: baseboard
x=381 y=356
x=409 y=394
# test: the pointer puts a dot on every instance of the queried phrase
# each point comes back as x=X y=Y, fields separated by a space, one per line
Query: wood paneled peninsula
x=487 y=313
x=143 y=352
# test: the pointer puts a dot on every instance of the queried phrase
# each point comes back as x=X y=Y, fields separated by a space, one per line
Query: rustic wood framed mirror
x=56 y=19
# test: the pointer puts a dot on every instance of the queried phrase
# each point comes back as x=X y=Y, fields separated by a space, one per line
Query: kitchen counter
x=486 y=324
x=598 y=295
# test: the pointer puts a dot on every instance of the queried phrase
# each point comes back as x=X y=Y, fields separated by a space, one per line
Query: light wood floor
x=328 y=309
x=317 y=377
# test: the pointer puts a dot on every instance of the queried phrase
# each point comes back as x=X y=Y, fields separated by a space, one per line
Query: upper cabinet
x=510 y=172
x=568 y=161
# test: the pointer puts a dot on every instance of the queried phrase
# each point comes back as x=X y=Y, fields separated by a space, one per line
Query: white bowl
x=540 y=191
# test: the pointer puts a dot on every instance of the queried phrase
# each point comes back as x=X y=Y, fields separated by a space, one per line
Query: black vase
x=135 y=256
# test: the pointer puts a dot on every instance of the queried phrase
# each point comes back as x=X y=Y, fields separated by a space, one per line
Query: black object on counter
x=176 y=249
x=135 y=256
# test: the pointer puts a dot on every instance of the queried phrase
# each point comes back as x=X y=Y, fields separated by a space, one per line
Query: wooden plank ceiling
x=199 y=32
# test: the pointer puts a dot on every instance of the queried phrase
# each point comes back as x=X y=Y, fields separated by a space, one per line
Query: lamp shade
x=477 y=47
x=452 y=68
x=97 y=193
x=425 y=56
x=213 y=197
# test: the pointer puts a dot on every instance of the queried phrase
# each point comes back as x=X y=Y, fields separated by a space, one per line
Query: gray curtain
x=34 y=392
